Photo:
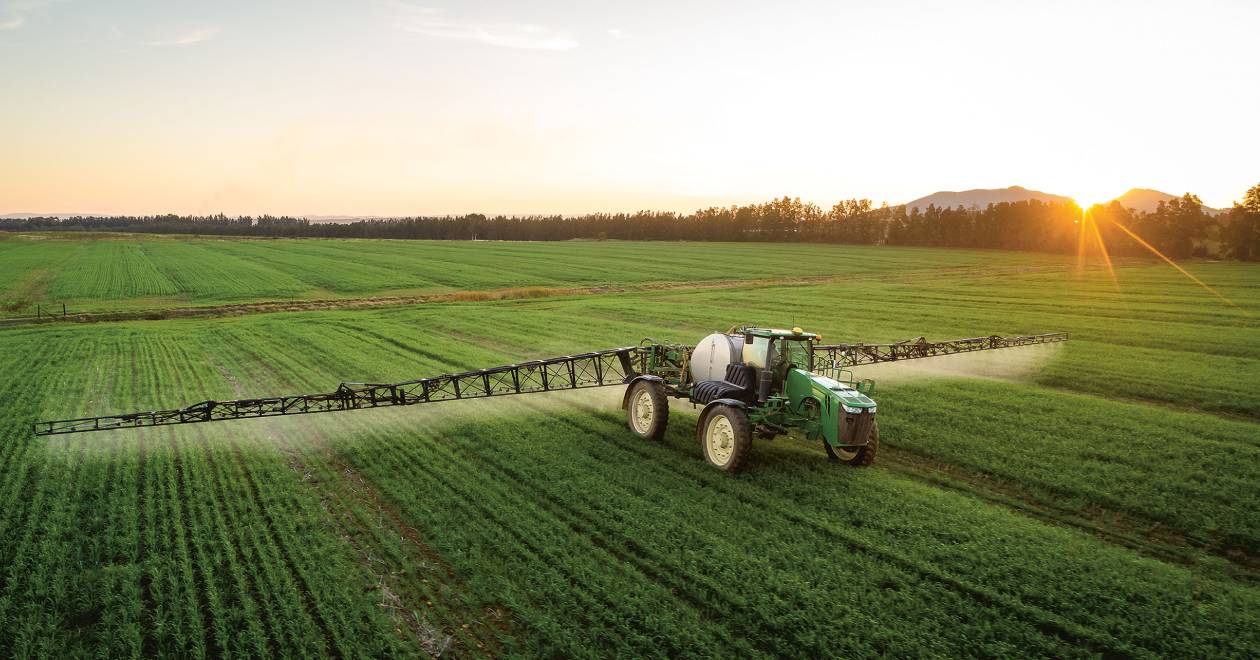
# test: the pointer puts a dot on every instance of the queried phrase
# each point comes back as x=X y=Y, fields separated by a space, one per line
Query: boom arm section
x=614 y=366
x=838 y=356
x=601 y=368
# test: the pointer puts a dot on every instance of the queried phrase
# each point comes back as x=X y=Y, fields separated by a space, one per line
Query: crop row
x=113 y=269
x=156 y=542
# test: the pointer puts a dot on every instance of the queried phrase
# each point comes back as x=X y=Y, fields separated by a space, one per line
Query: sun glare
x=1089 y=235
x=1087 y=230
x=1087 y=201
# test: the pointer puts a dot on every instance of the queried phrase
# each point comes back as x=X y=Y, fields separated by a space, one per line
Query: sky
x=339 y=107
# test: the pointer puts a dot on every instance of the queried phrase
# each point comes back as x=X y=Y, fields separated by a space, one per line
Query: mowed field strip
x=137 y=274
x=1097 y=499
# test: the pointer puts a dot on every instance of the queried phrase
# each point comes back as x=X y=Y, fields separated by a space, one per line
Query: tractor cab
x=748 y=364
x=773 y=352
x=779 y=348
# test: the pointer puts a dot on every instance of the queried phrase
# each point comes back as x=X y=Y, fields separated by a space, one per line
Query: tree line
x=1180 y=227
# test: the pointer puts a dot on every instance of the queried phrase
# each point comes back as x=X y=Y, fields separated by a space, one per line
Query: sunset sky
x=392 y=108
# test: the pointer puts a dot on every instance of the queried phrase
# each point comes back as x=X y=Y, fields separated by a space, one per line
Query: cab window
x=798 y=353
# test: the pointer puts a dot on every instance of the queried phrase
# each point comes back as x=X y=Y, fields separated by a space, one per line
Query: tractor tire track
x=1047 y=622
x=1231 y=415
x=420 y=553
x=480 y=507
x=411 y=599
x=282 y=550
x=696 y=591
x=1119 y=528
x=907 y=565
x=529 y=550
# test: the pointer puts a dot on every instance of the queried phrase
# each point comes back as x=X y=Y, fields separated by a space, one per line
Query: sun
x=1089 y=195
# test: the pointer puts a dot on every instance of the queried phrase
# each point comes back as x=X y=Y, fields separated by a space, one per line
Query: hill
x=982 y=197
x=1147 y=200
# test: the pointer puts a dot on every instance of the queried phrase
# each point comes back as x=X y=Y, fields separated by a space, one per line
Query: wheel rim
x=641 y=414
x=720 y=439
x=845 y=454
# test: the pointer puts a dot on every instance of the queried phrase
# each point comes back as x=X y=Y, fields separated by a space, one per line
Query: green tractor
x=755 y=382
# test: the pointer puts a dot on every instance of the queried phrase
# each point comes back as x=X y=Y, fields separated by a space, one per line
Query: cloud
x=196 y=36
x=432 y=22
x=15 y=12
x=616 y=33
x=22 y=6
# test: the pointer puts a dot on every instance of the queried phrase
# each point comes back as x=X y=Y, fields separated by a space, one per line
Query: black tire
x=647 y=409
x=725 y=437
x=864 y=456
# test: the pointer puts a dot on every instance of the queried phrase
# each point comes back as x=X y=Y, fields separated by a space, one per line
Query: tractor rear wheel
x=725 y=437
x=647 y=409
x=861 y=456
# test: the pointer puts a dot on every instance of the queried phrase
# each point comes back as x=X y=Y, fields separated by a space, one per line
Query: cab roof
x=776 y=333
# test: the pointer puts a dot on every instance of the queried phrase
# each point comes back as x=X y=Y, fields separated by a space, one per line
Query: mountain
x=1146 y=200
x=1140 y=199
x=1143 y=199
x=27 y=216
x=982 y=197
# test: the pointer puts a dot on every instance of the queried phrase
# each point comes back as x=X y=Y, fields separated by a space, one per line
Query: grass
x=1099 y=501
x=110 y=273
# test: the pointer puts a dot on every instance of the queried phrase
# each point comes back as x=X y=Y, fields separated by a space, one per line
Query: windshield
x=798 y=352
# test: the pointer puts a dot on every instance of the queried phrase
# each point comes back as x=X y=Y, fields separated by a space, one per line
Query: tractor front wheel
x=860 y=456
x=647 y=409
x=725 y=437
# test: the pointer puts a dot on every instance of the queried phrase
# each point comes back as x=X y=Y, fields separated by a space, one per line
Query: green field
x=1097 y=499
x=118 y=272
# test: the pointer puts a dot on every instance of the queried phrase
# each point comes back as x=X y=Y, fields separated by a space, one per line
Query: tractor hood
x=849 y=397
x=832 y=410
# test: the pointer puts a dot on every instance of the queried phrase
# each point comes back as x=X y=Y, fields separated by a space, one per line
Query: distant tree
x=1251 y=199
x=1176 y=226
x=1107 y=218
x=1241 y=234
x=849 y=221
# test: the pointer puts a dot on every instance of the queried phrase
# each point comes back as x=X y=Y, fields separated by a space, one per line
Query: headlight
x=854 y=410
